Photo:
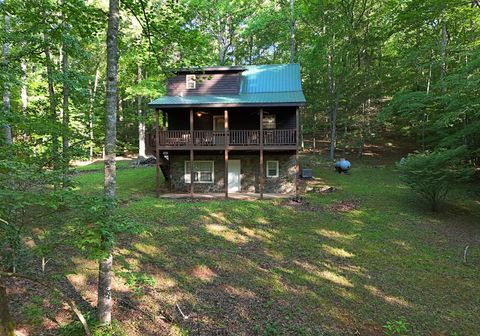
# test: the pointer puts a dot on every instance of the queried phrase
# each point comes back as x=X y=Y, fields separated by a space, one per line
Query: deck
x=232 y=139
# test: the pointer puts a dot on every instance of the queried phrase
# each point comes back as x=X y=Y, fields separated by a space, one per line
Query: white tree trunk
x=141 y=121
x=105 y=273
x=65 y=93
x=6 y=89
x=91 y=114
x=24 y=92
x=51 y=99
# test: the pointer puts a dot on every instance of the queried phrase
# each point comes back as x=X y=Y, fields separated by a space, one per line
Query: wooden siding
x=207 y=84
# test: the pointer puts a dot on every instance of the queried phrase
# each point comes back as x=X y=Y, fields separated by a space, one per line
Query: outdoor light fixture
x=200 y=113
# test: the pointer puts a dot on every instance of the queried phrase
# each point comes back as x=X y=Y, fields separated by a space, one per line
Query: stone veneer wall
x=249 y=168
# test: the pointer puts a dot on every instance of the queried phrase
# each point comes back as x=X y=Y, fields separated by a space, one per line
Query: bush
x=432 y=174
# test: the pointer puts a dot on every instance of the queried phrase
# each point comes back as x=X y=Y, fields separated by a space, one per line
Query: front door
x=234 y=176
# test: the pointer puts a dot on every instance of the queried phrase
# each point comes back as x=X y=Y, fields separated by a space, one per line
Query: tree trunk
x=292 y=31
x=333 y=109
x=91 y=114
x=65 y=93
x=51 y=99
x=105 y=274
x=443 y=53
x=141 y=121
x=24 y=92
x=6 y=89
x=7 y=327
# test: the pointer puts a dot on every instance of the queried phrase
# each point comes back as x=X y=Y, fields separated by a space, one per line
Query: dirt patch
x=346 y=205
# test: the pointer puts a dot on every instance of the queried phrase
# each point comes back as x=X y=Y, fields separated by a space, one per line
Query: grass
x=271 y=268
x=98 y=165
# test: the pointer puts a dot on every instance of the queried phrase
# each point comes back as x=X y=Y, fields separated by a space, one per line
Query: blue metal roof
x=271 y=78
x=261 y=85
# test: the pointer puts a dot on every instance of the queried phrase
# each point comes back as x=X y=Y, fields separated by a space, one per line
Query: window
x=269 y=121
x=272 y=168
x=218 y=123
x=202 y=172
x=191 y=81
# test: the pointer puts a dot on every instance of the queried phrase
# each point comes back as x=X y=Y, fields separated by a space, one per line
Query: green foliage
x=33 y=311
x=136 y=281
x=75 y=328
x=396 y=328
x=433 y=174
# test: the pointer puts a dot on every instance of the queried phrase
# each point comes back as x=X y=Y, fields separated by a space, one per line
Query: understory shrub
x=433 y=174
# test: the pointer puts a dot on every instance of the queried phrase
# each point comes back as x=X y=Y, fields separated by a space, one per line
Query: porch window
x=269 y=121
x=202 y=171
x=272 y=169
x=191 y=81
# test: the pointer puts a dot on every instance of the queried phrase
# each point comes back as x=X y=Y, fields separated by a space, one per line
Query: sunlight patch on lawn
x=216 y=217
x=388 y=298
x=240 y=292
x=146 y=248
x=226 y=233
x=314 y=272
x=335 y=278
x=403 y=244
x=77 y=280
x=204 y=273
x=338 y=252
x=346 y=293
x=261 y=220
x=257 y=234
x=335 y=234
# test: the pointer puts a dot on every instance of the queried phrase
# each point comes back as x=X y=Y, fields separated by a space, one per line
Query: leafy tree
x=433 y=174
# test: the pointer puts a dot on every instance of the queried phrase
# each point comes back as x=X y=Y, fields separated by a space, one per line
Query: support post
x=262 y=172
x=226 y=173
x=164 y=128
x=297 y=167
x=157 y=152
x=227 y=142
x=191 y=153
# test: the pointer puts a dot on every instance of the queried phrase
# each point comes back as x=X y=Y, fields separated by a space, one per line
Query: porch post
x=164 y=128
x=191 y=153
x=262 y=173
x=297 y=166
x=157 y=152
x=227 y=143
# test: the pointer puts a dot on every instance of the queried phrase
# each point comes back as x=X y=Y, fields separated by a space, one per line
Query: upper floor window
x=191 y=81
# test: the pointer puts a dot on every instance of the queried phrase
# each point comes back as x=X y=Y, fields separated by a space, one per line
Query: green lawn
x=347 y=262
x=98 y=165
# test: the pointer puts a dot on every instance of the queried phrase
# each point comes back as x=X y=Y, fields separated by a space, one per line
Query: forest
x=86 y=248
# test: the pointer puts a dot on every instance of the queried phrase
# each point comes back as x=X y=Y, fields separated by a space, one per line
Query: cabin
x=229 y=129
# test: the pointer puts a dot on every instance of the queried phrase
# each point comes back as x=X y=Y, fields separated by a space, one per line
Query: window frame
x=187 y=175
x=277 y=169
x=191 y=79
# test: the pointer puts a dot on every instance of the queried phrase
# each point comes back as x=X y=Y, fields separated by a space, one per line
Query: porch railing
x=210 y=138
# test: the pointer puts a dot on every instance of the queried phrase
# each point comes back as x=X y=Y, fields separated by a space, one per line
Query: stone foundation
x=249 y=169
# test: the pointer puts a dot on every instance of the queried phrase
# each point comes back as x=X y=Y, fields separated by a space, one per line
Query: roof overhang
x=178 y=106
x=209 y=69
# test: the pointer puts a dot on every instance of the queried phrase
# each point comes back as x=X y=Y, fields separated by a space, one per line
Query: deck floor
x=237 y=196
